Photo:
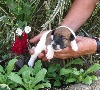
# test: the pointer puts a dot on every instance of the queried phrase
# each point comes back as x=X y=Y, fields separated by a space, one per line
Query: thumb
x=31 y=51
x=36 y=38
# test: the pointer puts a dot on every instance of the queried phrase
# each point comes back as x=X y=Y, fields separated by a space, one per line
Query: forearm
x=79 y=12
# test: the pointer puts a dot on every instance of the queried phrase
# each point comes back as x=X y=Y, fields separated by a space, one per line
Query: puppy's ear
x=52 y=33
x=73 y=42
x=72 y=37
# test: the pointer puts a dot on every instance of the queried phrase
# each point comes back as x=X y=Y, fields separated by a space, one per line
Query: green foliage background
x=39 y=14
x=42 y=14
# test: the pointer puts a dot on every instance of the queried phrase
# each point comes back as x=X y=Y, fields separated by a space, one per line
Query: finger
x=35 y=39
x=64 y=56
x=41 y=55
x=44 y=58
x=31 y=51
x=61 y=56
x=65 y=50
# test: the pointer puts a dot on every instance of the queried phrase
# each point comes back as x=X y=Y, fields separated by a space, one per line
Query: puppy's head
x=61 y=38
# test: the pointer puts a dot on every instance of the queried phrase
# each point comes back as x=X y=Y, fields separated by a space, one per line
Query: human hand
x=85 y=46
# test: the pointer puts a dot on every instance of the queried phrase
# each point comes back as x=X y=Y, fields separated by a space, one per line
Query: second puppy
x=54 y=41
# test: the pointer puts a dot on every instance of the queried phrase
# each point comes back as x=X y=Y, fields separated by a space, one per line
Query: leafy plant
x=5 y=72
x=53 y=74
x=31 y=78
x=38 y=77
x=79 y=76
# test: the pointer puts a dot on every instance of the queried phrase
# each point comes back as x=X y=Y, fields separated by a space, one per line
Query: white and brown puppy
x=54 y=41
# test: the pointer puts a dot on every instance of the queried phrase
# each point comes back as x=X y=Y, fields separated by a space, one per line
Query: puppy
x=54 y=41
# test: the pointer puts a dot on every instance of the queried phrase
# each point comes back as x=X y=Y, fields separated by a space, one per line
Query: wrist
x=86 y=45
x=93 y=45
x=97 y=45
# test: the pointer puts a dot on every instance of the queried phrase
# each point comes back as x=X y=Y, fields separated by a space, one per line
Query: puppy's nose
x=54 y=46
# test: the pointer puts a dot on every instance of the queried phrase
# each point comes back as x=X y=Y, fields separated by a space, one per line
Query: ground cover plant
x=39 y=15
x=26 y=78
x=38 y=77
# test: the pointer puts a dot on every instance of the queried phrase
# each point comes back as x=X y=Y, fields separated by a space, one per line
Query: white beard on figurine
x=54 y=41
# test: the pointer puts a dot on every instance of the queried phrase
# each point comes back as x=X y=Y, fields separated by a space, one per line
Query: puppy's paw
x=50 y=52
x=49 y=56
x=30 y=63
x=75 y=48
x=74 y=45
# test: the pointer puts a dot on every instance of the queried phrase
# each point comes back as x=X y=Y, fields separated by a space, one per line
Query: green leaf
x=20 y=89
x=75 y=72
x=14 y=77
x=70 y=80
x=47 y=84
x=76 y=61
x=37 y=87
x=2 y=78
x=80 y=78
x=23 y=69
x=95 y=67
x=6 y=20
x=57 y=83
x=26 y=76
x=11 y=4
x=94 y=77
x=52 y=68
x=20 y=23
x=64 y=71
x=1 y=69
x=31 y=70
x=26 y=8
x=81 y=70
x=37 y=66
x=10 y=66
x=39 y=76
x=87 y=80
x=4 y=56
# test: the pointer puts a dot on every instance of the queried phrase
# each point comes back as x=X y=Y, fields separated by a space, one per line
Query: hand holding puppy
x=54 y=41
x=85 y=46
x=79 y=12
x=35 y=40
